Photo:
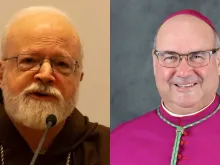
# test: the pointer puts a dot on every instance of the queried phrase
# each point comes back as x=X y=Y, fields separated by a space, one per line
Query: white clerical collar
x=176 y=115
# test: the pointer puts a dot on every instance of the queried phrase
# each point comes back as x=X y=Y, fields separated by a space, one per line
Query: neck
x=178 y=111
x=33 y=136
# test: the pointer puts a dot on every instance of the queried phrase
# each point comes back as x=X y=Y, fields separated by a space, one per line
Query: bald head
x=184 y=32
x=34 y=23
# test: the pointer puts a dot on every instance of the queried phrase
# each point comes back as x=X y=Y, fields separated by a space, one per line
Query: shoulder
x=124 y=130
x=99 y=132
x=129 y=137
x=103 y=133
x=135 y=122
x=103 y=143
x=103 y=130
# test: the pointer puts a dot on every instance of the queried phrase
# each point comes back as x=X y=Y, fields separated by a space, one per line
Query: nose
x=183 y=70
x=45 y=75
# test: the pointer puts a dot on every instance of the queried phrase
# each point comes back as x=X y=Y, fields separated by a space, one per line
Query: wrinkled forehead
x=185 y=33
x=42 y=31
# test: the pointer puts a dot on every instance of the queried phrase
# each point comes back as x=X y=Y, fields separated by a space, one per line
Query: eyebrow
x=168 y=51
x=40 y=54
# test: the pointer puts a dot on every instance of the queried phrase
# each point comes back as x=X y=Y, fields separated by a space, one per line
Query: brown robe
x=88 y=142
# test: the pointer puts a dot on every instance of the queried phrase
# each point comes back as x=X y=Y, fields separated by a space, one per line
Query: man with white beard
x=41 y=71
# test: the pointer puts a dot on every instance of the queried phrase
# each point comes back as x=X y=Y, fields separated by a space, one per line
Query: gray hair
x=25 y=12
x=217 y=41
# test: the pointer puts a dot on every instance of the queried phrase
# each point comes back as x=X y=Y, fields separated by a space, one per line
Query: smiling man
x=41 y=71
x=185 y=128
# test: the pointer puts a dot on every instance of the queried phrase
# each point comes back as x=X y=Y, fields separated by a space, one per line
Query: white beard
x=32 y=113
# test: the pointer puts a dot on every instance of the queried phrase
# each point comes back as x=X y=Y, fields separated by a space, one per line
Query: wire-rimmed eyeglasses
x=61 y=64
x=195 y=59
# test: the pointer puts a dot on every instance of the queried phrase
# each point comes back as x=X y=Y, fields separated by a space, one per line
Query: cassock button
x=179 y=156
x=185 y=133
x=181 y=142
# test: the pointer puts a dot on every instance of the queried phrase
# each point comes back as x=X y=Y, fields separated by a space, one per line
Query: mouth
x=185 y=85
x=41 y=96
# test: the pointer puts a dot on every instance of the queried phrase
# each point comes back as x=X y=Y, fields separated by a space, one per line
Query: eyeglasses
x=61 y=64
x=196 y=59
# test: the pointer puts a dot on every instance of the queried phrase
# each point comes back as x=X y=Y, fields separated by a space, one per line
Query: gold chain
x=3 y=160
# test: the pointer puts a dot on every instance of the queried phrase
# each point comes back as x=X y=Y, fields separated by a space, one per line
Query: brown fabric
x=87 y=141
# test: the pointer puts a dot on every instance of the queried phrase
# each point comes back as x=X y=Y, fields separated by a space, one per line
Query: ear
x=154 y=60
x=1 y=72
x=218 y=61
x=81 y=76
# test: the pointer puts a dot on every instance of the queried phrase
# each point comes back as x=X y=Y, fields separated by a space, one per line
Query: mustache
x=44 y=89
x=185 y=80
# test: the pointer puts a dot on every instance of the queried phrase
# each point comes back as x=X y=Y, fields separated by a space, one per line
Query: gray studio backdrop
x=133 y=26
